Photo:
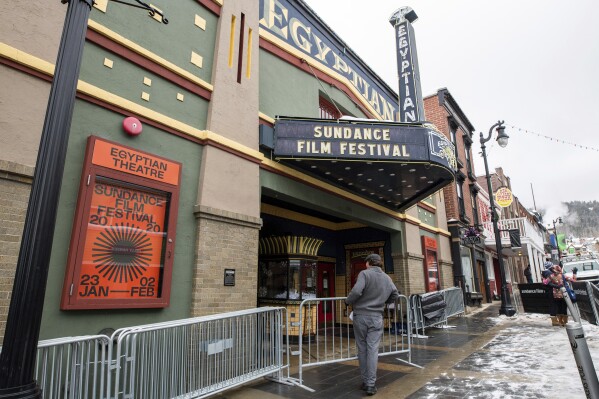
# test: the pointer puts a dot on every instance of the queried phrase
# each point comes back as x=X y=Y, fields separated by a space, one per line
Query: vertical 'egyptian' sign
x=411 y=105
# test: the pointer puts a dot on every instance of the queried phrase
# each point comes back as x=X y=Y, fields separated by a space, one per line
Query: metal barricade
x=454 y=305
x=454 y=299
x=72 y=367
x=325 y=333
x=203 y=355
x=190 y=358
x=419 y=316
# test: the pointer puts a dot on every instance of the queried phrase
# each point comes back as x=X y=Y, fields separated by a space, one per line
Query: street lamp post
x=559 y=253
x=502 y=139
x=27 y=301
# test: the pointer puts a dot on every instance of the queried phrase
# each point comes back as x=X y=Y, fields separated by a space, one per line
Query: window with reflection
x=287 y=279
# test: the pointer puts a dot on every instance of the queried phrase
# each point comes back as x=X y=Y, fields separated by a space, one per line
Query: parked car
x=587 y=265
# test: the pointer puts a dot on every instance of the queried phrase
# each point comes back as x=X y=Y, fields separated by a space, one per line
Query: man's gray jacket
x=372 y=290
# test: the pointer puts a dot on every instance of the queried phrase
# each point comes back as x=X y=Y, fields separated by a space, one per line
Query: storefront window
x=293 y=279
x=273 y=280
x=467 y=269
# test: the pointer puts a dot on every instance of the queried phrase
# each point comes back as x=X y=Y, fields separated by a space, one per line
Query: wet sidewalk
x=481 y=355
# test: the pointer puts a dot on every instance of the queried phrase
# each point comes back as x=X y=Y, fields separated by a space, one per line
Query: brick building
x=461 y=198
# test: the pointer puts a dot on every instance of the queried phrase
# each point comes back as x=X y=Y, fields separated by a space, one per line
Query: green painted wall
x=89 y=119
x=125 y=79
x=174 y=41
x=427 y=217
x=430 y=200
x=287 y=91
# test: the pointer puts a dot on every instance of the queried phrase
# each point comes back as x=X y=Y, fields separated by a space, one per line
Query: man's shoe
x=370 y=390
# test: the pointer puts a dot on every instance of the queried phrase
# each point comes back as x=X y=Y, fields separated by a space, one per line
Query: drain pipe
x=584 y=362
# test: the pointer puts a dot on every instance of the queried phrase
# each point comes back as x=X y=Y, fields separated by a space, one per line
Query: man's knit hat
x=374 y=259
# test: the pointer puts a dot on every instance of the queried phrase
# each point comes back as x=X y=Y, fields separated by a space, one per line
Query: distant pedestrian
x=372 y=290
x=528 y=274
x=555 y=280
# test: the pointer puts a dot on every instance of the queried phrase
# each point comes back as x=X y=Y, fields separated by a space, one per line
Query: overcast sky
x=532 y=63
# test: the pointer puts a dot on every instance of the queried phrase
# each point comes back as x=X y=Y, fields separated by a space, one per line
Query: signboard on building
x=410 y=95
x=293 y=30
x=123 y=236
x=323 y=139
x=503 y=197
x=470 y=236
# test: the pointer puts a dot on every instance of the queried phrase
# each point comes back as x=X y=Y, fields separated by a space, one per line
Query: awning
x=393 y=164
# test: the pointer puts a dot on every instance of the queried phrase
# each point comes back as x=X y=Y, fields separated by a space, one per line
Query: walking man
x=373 y=289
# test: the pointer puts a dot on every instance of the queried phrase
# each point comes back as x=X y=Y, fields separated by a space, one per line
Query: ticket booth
x=287 y=275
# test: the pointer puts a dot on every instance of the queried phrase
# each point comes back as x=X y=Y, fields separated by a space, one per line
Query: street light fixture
x=502 y=139
x=559 y=253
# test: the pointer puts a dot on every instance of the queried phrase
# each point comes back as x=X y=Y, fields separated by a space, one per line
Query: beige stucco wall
x=229 y=182
x=231 y=98
x=34 y=29
x=412 y=236
x=24 y=98
x=23 y=20
x=228 y=216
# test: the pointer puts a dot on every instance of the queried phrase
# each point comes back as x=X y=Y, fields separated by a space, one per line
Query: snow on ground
x=541 y=354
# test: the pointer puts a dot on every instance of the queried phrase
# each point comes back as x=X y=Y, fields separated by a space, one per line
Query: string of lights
x=582 y=147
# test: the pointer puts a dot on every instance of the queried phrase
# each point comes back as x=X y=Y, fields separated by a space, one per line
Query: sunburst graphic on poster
x=122 y=253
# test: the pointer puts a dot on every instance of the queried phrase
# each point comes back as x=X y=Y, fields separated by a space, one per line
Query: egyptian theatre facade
x=241 y=155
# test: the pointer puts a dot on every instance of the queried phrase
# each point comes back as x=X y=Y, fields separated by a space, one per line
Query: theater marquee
x=123 y=235
x=331 y=139
x=390 y=163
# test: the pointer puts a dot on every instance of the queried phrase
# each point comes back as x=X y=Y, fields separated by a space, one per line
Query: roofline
x=446 y=97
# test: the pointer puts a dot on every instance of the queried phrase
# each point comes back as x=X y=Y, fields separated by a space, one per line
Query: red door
x=326 y=289
x=356 y=269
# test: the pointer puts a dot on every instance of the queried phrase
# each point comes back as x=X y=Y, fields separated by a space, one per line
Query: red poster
x=124 y=241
